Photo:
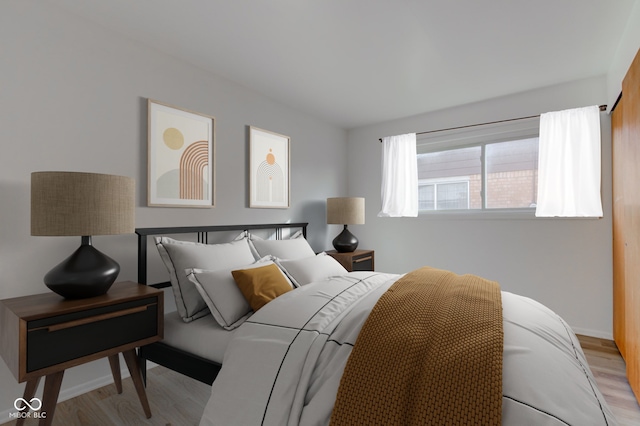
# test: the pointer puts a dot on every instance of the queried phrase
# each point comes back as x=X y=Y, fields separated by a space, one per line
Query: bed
x=189 y=348
x=301 y=357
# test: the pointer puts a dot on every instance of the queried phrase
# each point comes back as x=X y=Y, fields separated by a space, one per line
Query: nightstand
x=44 y=334
x=358 y=260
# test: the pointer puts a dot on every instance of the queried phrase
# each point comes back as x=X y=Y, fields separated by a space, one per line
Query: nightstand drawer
x=363 y=263
x=62 y=338
x=358 y=260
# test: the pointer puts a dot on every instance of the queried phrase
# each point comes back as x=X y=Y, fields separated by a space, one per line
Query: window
x=511 y=174
x=443 y=195
x=487 y=167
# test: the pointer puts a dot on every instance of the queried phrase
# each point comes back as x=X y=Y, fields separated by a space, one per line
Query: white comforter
x=285 y=363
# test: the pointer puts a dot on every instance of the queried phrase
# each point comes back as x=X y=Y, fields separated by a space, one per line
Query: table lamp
x=345 y=211
x=82 y=204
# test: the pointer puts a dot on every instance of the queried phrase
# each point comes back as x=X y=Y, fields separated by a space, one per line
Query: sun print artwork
x=269 y=169
x=270 y=181
x=181 y=147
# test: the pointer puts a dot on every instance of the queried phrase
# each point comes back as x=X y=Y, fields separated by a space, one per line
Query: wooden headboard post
x=142 y=258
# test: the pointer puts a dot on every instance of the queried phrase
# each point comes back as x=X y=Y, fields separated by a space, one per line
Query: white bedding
x=203 y=336
x=284 y=365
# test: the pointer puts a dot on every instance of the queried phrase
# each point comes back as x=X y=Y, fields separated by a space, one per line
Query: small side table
x=44 y=334
x=358 y=260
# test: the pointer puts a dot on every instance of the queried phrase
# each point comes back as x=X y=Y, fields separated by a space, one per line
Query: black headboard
x=203 y=237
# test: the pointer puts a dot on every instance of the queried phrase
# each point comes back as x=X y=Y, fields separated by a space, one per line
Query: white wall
x=624 y=55
x=564 y=263
x=73 y=97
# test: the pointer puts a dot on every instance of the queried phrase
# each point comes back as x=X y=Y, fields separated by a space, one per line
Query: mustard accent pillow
x=261 y=285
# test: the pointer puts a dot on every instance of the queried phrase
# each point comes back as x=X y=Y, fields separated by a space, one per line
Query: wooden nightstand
x=359 y=260
x=44 y=334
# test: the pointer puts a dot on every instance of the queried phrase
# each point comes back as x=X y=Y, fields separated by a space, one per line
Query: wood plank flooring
x=608 y=367
x=177 y=400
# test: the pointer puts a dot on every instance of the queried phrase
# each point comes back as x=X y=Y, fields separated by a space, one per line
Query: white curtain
x=569 y=164
x=399 y=176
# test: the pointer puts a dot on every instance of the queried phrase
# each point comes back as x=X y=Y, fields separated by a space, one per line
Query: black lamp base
x=86 y=273
x=345 y=242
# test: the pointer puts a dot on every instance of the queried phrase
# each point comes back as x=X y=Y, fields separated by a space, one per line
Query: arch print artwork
x=268 y=169
x=181 y=152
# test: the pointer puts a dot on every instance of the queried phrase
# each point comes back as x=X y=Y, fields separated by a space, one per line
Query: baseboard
x=592 y=333
x=78 y=390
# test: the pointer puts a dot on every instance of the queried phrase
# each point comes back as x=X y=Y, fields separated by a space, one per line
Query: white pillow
x=181 y=255
x=221 y=294
x=296 y=248
x=310 y=269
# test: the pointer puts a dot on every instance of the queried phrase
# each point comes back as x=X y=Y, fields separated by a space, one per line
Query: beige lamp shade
x=81 y=204
x=345 y=210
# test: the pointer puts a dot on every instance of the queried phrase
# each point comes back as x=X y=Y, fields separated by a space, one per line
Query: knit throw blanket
x=430 y=353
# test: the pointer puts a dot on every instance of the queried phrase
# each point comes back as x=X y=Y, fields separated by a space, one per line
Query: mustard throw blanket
x=430 y=353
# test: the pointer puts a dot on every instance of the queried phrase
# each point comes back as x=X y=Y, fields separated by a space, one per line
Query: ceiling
x=358 y=62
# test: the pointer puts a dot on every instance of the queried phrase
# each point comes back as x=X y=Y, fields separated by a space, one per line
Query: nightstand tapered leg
x=50 y=397
x=114 y=362
x=133 y=364
x=29 y=391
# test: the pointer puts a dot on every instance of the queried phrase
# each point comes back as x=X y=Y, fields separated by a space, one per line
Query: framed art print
x=268 y=169
x=181 y=157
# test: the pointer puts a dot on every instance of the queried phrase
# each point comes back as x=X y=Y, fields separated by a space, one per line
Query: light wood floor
x=177 y=400
x=609 y=370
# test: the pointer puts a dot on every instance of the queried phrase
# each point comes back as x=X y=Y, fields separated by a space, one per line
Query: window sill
x=494 y=214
